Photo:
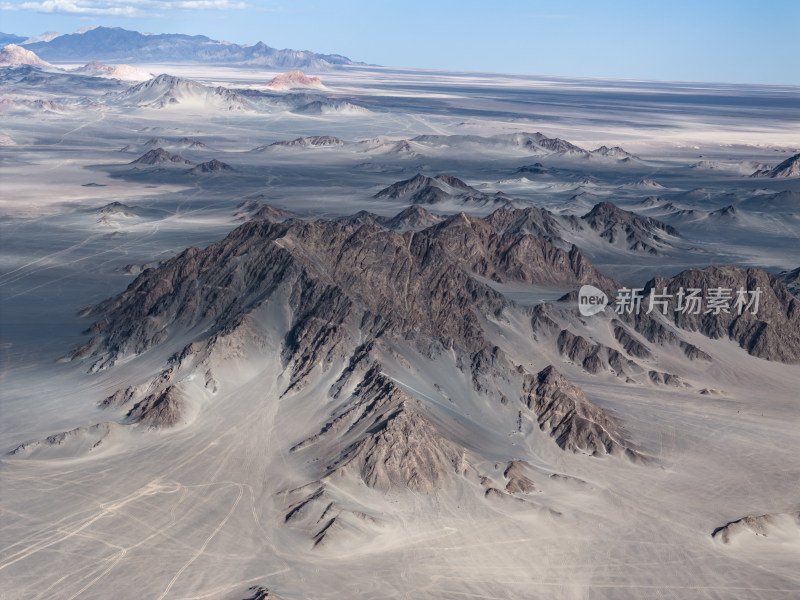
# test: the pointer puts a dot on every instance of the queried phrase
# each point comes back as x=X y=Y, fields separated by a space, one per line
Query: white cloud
x=120 y=8
x=212 y=4
x=73 y=7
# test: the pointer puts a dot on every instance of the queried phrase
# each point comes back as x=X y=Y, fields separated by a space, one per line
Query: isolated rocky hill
x=294 y=80
x=331 y=106
x=773 y=332
x=159 y=156
x=212 y=166
x=535 y=221
x=422 y=189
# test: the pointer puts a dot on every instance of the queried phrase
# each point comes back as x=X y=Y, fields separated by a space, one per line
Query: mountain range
x=363 y=333
x=121 y=45
x=611 y=225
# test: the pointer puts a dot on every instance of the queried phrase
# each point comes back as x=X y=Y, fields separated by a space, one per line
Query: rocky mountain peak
x=788 y=168
x=620 y=226
x=213 y=166
x=159 y=156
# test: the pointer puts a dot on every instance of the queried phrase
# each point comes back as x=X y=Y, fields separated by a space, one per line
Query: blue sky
x=702 y=40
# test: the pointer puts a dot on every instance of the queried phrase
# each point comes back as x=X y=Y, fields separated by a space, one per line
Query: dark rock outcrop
x=757 y=525
x=629 y=343
x=314 y=141
x=773 y=333
x=791 y=279
x=212 y=166
x=637 y=233
x=594 y=357
x=159 y=156
x=566 y=415
x=534 y=221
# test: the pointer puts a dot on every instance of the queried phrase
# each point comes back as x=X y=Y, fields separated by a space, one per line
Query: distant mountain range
x=115 y=44
x=10 y=38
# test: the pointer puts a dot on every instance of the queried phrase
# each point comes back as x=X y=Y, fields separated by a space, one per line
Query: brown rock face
x=517 y=473
x=758 y=525
x=404 y=450
x=162 y=409
x=576 y=424
x=414 y=284
x=630 y=344
x=348 y=287
x=773 y=333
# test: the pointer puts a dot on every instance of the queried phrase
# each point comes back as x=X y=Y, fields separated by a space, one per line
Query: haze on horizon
x=734 y=41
